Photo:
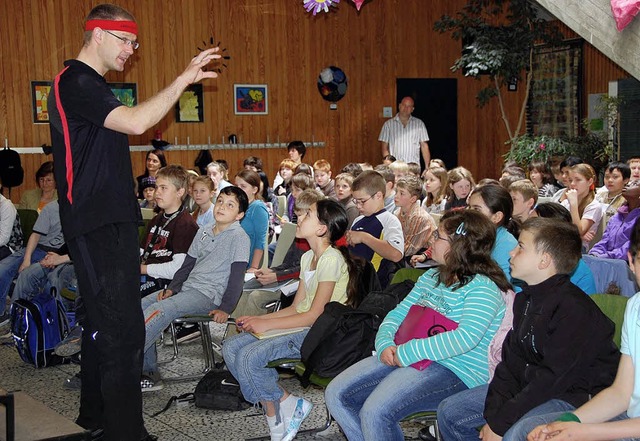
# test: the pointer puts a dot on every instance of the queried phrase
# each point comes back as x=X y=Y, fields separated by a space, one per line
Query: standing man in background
x=405 y=136
x=100 y=214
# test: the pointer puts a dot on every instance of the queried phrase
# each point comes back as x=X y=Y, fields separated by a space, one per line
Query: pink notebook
x=422 y=322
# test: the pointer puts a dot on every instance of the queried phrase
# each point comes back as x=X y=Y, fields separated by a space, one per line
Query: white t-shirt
x=593 y=212
x=631 y=346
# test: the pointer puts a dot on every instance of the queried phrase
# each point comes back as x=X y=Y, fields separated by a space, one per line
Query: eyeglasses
x=361 y=201
x=436 y=236
x=130 y=43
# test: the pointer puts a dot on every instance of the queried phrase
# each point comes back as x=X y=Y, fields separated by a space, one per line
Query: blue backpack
x=37 y=326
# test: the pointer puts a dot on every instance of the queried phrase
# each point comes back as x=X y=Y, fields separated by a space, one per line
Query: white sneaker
x=300 y=413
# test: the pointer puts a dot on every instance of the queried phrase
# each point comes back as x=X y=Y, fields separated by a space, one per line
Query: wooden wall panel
x=274 y=42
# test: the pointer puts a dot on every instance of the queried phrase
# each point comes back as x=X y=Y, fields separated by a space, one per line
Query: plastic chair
x=27 y=221
x=282 y=205
x=613 y=307
x=283 y=243
x=209 y=348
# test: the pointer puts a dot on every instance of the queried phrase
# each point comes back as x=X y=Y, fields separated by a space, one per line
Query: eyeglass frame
x=131 y=43
x=361 y=202
x=436 y=236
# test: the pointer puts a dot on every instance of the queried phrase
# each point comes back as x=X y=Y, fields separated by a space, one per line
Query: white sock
x=276 y=431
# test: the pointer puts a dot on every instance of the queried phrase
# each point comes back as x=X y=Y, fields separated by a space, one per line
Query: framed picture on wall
x=250 y=99
x=190 y=106
x=40 y=101
x=127 y=93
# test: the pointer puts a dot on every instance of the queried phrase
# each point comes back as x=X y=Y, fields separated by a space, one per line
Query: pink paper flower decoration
x=319 y=5
x=542 y=146
x=358 y=4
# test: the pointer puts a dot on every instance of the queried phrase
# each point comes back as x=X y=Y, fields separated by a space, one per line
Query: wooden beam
x=593 y=21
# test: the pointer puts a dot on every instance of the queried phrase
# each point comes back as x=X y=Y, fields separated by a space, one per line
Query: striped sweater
x=477 y=307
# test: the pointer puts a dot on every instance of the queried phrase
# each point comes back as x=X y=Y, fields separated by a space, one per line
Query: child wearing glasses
x=376 y=235
x=370 y=398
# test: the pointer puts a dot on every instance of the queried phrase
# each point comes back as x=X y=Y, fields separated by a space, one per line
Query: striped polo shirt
x=404 y=142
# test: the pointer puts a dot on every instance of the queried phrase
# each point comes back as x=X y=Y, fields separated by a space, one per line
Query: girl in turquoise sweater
x=370 y=398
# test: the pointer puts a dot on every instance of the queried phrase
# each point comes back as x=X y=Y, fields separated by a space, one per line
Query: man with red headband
x=100 y=214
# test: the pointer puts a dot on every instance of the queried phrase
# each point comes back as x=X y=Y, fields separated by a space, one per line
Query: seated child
x=286 y=173
x=542 y=177
x=329 y=275
x=389 y=190
x=299 y=183
x=460 y=184
x=614 y=412
x=586 y=211
x=169 y=233
x=202 y=192
x=417 y=224
x=559 y=352
x=252 y=301
x=345 y=196
x=10 y=232
x=616 y=176
x=47 y=236
x=205 y=283
x=376 y=235
x=615 y=239
x=370 y=398
x=148 y=186
x=634 y=165
x=322 y=176
x=435 y=185
x=256 y=220
x=524 y=195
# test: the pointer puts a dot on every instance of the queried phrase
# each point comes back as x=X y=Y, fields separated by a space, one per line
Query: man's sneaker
x=302 y=410
x=71 y=343
x=150 y=381
x=73 y=383
x=187 y=333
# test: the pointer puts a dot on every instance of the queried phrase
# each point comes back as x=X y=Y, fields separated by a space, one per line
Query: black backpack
x=11 y=171
x=342 y=336
x=217 y=390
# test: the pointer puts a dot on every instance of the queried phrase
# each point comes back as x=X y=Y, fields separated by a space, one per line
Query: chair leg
x=174 y=341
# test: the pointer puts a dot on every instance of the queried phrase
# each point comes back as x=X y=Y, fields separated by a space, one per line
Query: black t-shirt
x=92 y=164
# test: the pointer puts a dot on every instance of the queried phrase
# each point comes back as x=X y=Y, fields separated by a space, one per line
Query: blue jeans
x=543 y=414
x=369 y=399
x=550 y=417
x=158 y=315
x=37 y=278
x=9 y=270
x=460 y=415
x=246 y=357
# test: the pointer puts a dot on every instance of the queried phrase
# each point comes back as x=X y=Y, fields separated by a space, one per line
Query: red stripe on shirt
x=67 y=138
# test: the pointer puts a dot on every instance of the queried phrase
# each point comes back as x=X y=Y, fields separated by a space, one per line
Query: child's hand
x=588 y=236
x=417 y=258
x=486 y=434
x=24 y=265
x=266 y=277
x=388 y=356
x=567 y=430
x=255 y=324
x=355 y=237
x=164 y=294
x=219 y=316
x=572 y=197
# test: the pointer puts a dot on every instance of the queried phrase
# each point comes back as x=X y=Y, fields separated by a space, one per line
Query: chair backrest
x=407 y=274
x=264 y=263
x=282 y=205
x=613 y=307
x=147 y=213
x=27 y=221
x=287 y=235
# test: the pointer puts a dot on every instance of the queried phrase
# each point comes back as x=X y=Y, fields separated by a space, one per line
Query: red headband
x=112 y=25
